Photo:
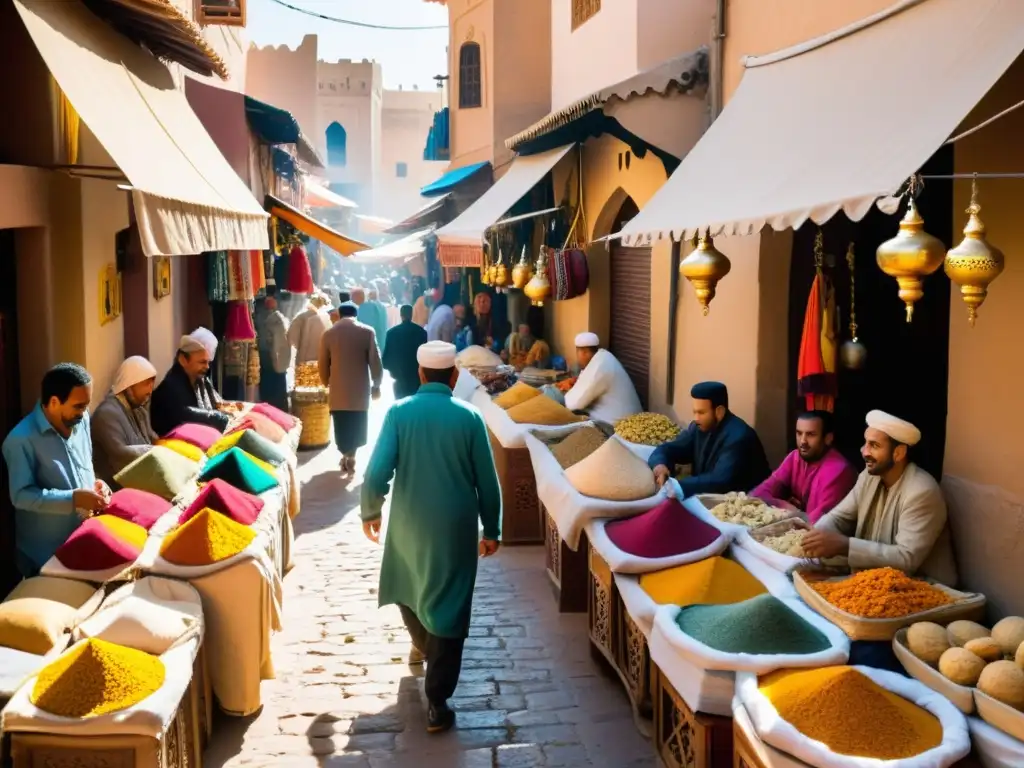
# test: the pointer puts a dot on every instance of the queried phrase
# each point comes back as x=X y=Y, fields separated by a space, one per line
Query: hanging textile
x=829 y=342
x=238 y=326
x=300 y=276
x=240 y=277
x=217 y=276
x=259 y=277
x=815 y=382
x=68 y=124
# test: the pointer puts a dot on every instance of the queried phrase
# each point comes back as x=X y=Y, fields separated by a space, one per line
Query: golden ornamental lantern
x=704 y=267
x=538 y=290
x=910 y=256
x=485 y=266
x=500 y=275
x=521 y=272
x=975 y=262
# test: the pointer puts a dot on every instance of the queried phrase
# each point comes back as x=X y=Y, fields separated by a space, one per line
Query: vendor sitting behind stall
x=895 y=515
x=603 y=390
x=186 y=395
x=813 y=478
x=725 y=452
x=525 y=348
x=121 y=431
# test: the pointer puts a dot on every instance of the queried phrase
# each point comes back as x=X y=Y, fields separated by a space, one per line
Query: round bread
x=961 y=666
x=1009 y=633
x=1019 y=658
x=961 y=631
x=985 y=648
x=927 y=641
x=1003 y=681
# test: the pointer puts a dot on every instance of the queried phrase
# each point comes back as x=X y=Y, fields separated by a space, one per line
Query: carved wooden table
x=567 y=570
x=687 y=739
x=521 y=519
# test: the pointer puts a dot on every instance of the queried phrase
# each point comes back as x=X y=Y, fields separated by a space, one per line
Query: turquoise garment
x=373 y=314
x=437 y=450
x=45 y=471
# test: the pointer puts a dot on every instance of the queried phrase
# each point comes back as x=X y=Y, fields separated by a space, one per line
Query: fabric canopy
x=452 y=179
x=397 y=252
x=836 y=123
x=344 y=245
x=272 y=124
x=321 y=197
x=187 y=198
x=428 y=215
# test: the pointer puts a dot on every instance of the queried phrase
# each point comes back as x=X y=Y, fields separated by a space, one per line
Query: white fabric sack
x=777 y=584
x=147 y=718
x=466 y=385
x=776 y=732
x=17 y=666
x=776 y=560
x=569 y=508
x=769 y=756
x=509 y=433
x=994 y=748
x=623 y=562
x=151 y=615
x=475 y=356
x=604 y=390
x=57 y=569
x=707 y=691
x=643 y=451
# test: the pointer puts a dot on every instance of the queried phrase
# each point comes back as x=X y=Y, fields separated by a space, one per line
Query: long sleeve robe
x=436 y=450
x=176 y=401
x=304 y=334
x=728 y=458
x=120 y=435
x=604 y=390
x=400 y=357
x=818 y=485
x=904 y=528
x=373 y=314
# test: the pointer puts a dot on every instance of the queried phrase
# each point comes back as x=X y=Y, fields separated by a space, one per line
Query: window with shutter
x=470 y=90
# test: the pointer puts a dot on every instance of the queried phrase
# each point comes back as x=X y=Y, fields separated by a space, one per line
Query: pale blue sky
x=407 y=58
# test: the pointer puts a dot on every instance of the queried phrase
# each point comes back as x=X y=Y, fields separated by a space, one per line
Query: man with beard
x=725 y=452
x=895 y=515
x=121 y=431
x=49 y=460
x=186 y=395
x=813 y=478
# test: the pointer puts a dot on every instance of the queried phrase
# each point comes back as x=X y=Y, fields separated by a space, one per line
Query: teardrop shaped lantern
x=501 y=276
x=538 y=290
x=485 y=267
x=704 y=267
x=910 y=256
x=975 y=263
x=521 y=272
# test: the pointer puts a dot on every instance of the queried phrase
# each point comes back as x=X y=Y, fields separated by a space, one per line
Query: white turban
x=588 y=339
x=207 y=339
x=436 y=355
x=190 y=344
x=899 y=430
x=132 y=371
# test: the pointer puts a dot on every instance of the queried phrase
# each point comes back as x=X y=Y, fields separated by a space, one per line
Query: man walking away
x=400 y=354
x=275 y=354
x=437 y=451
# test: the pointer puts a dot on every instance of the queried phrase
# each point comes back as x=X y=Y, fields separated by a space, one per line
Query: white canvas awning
x=835 y=123
x=187 y=197
x=322 y=197
x=395 y=253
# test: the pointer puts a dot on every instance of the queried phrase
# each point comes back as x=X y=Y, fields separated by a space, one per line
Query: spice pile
x=612 y=472
x=715 y=581
x=759 y=626
x=96 y=678
x=665 y=531
x=881 y=593
x=515 y=395
x=740 y=509
x=542 y=411
x=647 y=429
x=207 y=538
x=578 y=446
x=851 y=714
x=307 y=376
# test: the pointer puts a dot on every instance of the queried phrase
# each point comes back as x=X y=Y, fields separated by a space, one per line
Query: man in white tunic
x=895 y=515
x=603 y=389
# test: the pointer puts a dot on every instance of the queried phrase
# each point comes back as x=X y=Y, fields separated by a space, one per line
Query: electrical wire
x=352 y=23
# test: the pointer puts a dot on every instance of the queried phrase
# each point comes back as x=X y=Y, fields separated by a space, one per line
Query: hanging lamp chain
x=850 y=262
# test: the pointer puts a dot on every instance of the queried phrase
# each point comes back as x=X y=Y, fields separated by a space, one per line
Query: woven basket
x=312 y=408
x=965 y=605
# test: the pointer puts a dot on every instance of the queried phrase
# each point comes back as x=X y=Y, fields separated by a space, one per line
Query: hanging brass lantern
x=852 y=353
x=500 y=275
x=521 y=272
x=910 y=256
x=704 y=267
x=485 y=266
x=538 y=290
x=975 y=262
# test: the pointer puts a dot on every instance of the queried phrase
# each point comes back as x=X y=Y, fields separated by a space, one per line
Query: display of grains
x=578 y=446
x=96 y=678
x=740 y=509
x=207 y=538
x=647 y=429
x=714 y=581
x=516 y=395
x=788 y=543
x=613 y=473
x=881 y=593
x=758 y=626
x=307 y=376
x=850 y=713
x=542 y=411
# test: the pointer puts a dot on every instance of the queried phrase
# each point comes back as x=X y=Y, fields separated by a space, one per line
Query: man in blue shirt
x=49 y=460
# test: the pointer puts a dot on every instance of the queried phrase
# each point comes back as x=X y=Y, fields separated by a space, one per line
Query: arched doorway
x=630 y=335
x=337 y=145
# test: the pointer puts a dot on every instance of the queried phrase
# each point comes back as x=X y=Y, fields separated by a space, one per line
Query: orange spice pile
x=881 y=593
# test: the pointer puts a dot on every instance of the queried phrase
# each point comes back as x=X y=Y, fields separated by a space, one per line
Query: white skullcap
x=191 y=344
x=207 y=339
x=899 y=430
x=132 y=371
x=436 y=355
x=588 y=339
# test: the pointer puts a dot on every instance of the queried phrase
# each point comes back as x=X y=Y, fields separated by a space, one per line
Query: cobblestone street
x=529 y=695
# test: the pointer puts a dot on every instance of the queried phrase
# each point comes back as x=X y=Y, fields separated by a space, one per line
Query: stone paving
x=530 y=693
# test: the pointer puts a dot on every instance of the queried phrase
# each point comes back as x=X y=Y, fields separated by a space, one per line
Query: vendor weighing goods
x=881 y=593
x=740 y=509
x=647 y=429
x=612 y=472
x=759 y=626
x=715 y=581
x=578 y=446
x=851 y=714
x=207 y=538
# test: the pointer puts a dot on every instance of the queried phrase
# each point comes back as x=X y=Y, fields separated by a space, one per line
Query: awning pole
x=673 y=310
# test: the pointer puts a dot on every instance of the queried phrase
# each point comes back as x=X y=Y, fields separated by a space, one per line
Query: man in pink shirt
x=813 y=478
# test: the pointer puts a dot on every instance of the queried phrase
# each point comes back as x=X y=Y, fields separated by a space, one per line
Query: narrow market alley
x=530 y=693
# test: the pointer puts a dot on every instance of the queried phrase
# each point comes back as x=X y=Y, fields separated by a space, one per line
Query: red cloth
x=665 y=531
x=300 y=276
x=220 y=496
x=813 y=381
x=200 y=435
x=238 y=326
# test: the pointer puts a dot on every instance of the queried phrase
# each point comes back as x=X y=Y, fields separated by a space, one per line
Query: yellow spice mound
x=851 y=714
x=126 y=531
x=515 y=395
x=715 y=581
x=207 y=538
x=97 y=678
x=542 y=411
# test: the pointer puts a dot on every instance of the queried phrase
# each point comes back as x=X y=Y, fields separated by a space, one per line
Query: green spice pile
x=758 y=626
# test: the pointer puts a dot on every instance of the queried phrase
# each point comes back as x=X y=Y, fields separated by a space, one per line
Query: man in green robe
x=437 y=451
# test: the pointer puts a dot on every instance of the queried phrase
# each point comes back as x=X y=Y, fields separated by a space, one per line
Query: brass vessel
x=975 y=263
x=521 y=272
x=910 y=256
x=538 y=290
x=485 y=266
x=499 y=277
x=704 y=267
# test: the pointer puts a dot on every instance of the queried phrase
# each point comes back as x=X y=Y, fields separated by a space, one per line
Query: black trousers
x=444 y=658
